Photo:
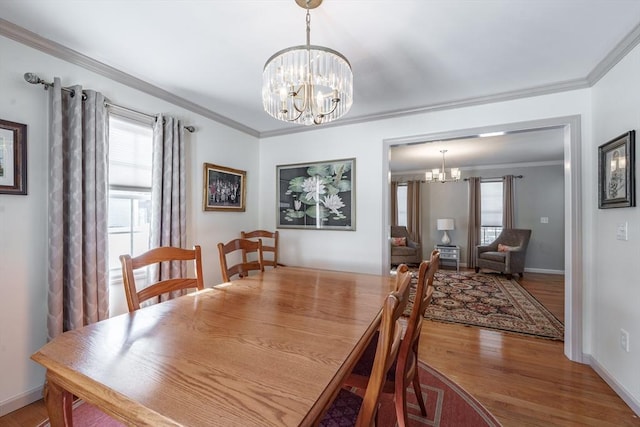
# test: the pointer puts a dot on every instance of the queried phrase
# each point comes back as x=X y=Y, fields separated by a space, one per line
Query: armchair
x=506 y=254
x=409 y=253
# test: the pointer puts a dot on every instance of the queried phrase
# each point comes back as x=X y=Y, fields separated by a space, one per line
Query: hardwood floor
x=523 y=381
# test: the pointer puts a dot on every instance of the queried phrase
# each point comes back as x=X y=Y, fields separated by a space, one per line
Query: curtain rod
x=35 y=79
x=496 y=177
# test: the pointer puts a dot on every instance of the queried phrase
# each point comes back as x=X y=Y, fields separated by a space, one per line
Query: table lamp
x=445 y=224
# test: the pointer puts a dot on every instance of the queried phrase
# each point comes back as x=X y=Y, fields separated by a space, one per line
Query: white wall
x=23 y=219
x=334 y=249
x=616 y=288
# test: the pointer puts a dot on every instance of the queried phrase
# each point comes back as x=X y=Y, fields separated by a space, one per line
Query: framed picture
x=616 y=172
x=13 y=158
x=224 y=189
x=319 y=195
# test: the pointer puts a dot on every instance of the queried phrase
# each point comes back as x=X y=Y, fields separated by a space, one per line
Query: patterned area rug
x=447 y=404
x=490 y=301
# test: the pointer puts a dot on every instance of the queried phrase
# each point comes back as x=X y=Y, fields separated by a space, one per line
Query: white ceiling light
x=437 y=175
x=307 y=84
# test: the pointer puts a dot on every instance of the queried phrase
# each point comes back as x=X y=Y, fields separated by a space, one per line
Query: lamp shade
x=445 y=224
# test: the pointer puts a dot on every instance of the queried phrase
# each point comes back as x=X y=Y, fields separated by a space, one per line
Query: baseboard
x=543 y=271
x=530 y=270
x=615 y=385
x=20 y=401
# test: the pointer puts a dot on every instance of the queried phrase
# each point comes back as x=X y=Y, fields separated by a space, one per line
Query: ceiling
x=407 y=56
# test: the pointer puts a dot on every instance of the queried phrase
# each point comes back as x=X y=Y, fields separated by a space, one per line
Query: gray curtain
x=394 y=203
x=168 y=195
x=508 y=202
x=475 y=225
x=414 y=215
x=78 y=191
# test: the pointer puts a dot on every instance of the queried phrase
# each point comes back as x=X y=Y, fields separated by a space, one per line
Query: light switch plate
x=622 y=232
x=544 y=220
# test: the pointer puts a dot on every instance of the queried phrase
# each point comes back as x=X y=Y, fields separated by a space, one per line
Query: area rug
x=490 y=301
x=447 y=404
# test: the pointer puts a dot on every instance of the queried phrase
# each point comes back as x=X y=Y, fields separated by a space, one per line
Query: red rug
x=448 y=405
x=87 y=415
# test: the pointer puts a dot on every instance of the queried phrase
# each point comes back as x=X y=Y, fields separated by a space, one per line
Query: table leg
x=59 y=404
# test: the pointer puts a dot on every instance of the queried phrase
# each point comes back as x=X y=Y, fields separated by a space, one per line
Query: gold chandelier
x=307 y=84
x=437 y=175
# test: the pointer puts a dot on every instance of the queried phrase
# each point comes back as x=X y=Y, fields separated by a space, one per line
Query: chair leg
x=509 y=276
x=418 y=392
x=477 y=269
x=402 y=414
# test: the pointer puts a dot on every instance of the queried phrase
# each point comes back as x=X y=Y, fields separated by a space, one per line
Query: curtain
x=78 y=192
x=414 y=213
x=508 y=203
x=168 y=196
x=394 y=203
x=475 y=225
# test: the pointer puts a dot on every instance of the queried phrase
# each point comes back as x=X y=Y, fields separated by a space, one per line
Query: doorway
x=570 y=126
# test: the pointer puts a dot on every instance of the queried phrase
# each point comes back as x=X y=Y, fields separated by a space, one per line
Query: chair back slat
x=269 y=246
x=156 y=256
x=242 y=247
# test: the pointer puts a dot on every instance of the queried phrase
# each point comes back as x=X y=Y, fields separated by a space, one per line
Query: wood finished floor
x=523 y=381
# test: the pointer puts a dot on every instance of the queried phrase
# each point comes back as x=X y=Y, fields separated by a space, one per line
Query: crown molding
x=625 y=46
x=420 y=172
x=31 y=39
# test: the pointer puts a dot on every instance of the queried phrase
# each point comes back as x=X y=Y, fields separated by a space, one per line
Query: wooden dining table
x=271 y=349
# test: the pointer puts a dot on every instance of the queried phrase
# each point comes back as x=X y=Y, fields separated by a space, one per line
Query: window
x=402 y=204
x=491 y=211
x=130 y=157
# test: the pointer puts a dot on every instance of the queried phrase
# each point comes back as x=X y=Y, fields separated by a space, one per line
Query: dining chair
x=404 y=371
x=351 y=409
x=237 y=249
x=273 y=237
x=156 y=256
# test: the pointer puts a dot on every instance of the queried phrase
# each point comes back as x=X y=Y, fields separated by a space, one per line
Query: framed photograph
x=224 y=189
x=319 y=195
x=13 y=158
x=616 y=172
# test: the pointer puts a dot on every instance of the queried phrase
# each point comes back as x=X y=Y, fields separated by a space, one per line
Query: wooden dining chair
x=404 y=372
x=350 y=409
x=164 y=286
x=238 y=249
x=272 y=237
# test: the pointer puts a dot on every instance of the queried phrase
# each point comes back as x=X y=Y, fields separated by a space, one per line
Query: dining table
x=270 y=349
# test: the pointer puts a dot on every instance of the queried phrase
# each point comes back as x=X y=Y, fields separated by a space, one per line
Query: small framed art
x=13 y=158
x=224 y=189
x=616 y=172
x=318 y=195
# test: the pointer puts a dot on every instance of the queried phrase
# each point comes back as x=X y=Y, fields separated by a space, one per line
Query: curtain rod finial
x=33 y=78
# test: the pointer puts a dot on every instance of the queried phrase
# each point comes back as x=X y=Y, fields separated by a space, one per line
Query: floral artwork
x=317 y=195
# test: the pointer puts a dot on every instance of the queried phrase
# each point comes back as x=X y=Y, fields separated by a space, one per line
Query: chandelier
x=437 y=175
x=307 y=84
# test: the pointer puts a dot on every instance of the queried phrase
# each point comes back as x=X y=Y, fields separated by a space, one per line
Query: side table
x=450 y=253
